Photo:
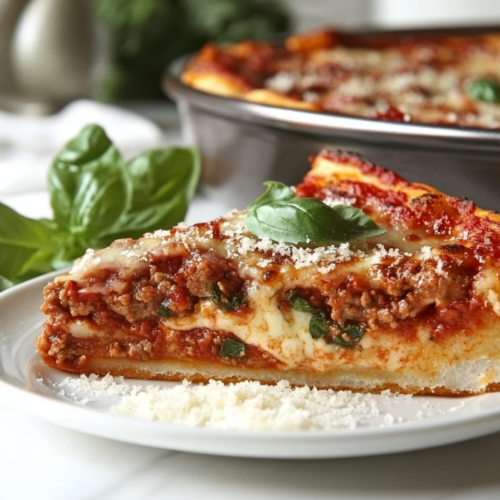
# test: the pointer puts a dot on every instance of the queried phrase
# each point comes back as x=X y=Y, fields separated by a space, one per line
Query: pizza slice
x=409 y=303
x=442 y=79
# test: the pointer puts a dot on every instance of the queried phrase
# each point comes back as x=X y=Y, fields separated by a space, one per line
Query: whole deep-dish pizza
x=355 y=279
x=445 y=80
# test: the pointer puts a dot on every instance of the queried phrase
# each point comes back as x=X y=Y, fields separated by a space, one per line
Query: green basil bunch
x=96 y=197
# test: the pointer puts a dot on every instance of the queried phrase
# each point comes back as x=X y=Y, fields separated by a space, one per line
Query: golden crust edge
x=134 y=369
x=325 y=170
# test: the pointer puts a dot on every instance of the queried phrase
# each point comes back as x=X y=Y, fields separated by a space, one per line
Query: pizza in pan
x=445 y=80
x=410 y=303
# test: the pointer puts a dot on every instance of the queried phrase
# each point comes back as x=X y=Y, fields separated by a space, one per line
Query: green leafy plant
x=280 y=216
x=96 y=197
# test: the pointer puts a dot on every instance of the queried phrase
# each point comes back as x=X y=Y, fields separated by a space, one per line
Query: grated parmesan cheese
x=251 y=406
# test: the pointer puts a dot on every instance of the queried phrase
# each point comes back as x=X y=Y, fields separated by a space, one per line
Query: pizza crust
x=366 y=381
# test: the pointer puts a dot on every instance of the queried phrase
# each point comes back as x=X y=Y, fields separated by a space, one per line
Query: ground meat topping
x=203 y=271
x=392 y=292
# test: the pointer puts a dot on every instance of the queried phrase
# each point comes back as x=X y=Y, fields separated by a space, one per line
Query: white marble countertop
x=44 y=461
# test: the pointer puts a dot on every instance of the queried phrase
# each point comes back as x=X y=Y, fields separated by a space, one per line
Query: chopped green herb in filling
x=319 y=326
x=298 y=303
x=165 y=311
x=349 y=336
x=231 y=348
x=234 y=303
x=322 y=327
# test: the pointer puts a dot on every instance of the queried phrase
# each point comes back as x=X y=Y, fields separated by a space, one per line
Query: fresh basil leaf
x=161 y=183
x=231 y=348
x=5 y=283
x=21 y=231
x=100 y=198
x=68 y=249
x=87 y=186
x=308 y=220
x=26 y=246
x=298 y=303
x=358 y=224
x=485 y=90
x=91 y=144
x=20 y=263
x=97 y=197
x=276 y=191
x=107 y=198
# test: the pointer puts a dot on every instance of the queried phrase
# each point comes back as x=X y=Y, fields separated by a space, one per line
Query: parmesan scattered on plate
x=248 y=406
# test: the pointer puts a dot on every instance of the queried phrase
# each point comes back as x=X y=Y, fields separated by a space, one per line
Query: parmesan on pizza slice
x=413 y=308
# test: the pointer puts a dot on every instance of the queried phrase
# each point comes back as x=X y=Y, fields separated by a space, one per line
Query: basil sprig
x=486 y=90
x=96 y=197
x=280 y=216
x=322 y=327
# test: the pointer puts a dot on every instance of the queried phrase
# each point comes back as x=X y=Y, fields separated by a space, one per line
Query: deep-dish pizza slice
x=414 y=308
x=421 y=78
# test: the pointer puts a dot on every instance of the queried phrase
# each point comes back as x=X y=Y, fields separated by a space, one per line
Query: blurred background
x=65 y=63
x=53 y=51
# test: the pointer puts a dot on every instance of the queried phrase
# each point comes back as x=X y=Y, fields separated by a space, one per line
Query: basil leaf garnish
x=160 y=183
x=231 y=348
x=486 y=90
x=276 y=191
x=306 y=220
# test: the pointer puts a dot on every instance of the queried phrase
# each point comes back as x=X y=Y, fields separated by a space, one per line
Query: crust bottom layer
x=366 y=381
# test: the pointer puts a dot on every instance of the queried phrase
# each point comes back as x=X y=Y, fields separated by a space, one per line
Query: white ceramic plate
x=26 y=383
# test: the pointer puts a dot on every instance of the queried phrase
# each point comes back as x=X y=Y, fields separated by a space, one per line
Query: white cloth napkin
x=28 y=144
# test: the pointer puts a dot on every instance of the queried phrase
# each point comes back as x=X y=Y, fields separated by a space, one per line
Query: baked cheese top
x=425 y=79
